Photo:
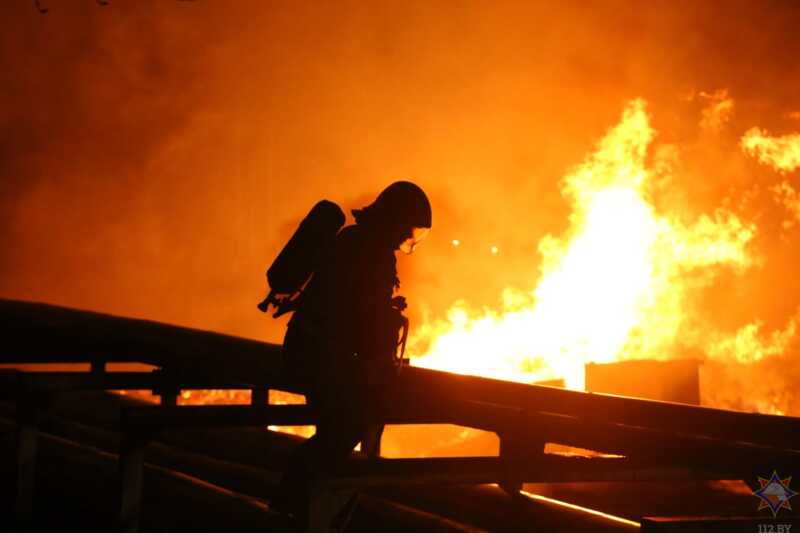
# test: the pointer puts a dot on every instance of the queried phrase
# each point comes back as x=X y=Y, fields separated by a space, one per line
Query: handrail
x=36 y=332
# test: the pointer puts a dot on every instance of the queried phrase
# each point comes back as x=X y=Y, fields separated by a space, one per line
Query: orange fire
x=616 y=286
x=620 y=283
x=718 y=112
x=781 y=153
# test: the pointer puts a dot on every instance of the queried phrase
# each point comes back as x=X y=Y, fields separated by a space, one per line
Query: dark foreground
x=222 y=481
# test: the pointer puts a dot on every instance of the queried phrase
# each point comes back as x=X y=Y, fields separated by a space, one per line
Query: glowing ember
x=614 y=287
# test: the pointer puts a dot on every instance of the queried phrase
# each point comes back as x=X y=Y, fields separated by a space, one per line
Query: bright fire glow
x=614 y=287
x=618 y=284
x=718 y=111
x=781 y=153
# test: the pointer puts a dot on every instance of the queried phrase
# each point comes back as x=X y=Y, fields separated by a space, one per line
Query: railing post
x=371 y=442
x=97 y=367
x=27 y=443
x=167 y=387
x=259 y=396
x=512 y=451
x=169 y=398
x=131 y=471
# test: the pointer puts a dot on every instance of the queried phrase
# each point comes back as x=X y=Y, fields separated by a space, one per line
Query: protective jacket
x=345 y=327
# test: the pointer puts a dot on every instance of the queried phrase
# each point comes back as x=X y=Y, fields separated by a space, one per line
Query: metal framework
x=642 y=439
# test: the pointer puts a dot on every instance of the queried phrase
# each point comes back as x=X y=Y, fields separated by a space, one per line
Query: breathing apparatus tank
x=298 y=260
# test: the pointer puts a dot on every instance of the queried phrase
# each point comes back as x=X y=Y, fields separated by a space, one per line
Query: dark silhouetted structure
x=342 y=340
x=641 y=440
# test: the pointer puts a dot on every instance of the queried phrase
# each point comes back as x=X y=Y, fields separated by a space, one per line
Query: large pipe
x=33 y=332
x=767 y=430
x=36 y=332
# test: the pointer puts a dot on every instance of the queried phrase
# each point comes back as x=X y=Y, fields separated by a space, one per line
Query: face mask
x=417 y=236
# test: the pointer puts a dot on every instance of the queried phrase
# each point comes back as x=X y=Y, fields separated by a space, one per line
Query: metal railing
x=656 y=440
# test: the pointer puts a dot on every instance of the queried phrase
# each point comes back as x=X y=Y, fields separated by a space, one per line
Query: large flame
x=621 y=283
x=615 y=286
x=781 y=153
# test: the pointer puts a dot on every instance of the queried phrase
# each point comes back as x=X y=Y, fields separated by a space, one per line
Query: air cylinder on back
x=301 y=255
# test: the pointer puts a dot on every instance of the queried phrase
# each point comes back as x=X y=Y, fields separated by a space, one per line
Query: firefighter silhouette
x=342 y=340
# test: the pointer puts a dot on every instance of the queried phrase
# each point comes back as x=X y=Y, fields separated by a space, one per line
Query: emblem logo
x=774 y=493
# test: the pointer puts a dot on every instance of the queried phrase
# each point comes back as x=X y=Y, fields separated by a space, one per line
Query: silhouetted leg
x=328 y=510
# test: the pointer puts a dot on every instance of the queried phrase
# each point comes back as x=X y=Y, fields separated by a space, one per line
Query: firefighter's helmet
x=403 y=205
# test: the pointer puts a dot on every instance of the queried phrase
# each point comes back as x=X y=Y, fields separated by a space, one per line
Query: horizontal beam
x=156 y=418
x=42 y=333
x=226 y=416
x=33 y=332
x=580 y=432
x=153 y=380
x=768 y=430
x=669 y=452
x=523 y=425
x=547 y=468
x=617 y=439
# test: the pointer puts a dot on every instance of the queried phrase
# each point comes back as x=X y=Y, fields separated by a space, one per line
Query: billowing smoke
x=155 y=155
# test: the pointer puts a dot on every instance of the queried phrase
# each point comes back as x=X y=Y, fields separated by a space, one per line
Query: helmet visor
x=417 y=236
